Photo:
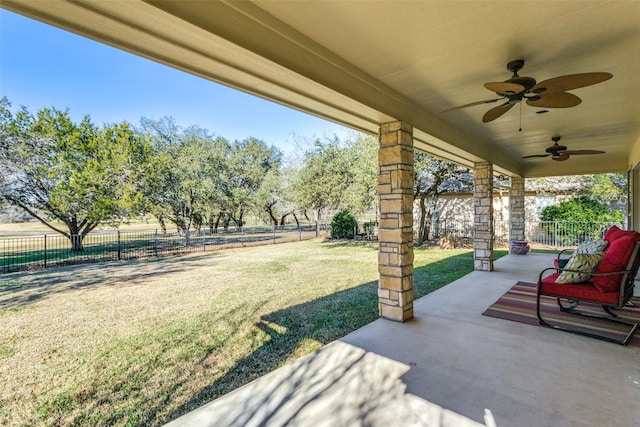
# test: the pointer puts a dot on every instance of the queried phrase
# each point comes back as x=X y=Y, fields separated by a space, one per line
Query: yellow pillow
x=584 y=264
x=592 y=246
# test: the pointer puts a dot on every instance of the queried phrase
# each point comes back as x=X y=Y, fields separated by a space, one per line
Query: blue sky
x=42 y=66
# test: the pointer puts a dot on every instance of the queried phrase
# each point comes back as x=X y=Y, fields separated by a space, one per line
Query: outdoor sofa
x=601 y=272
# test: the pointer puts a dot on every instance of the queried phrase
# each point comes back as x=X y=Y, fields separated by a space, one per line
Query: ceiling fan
x=550 y=93
x=560 y=152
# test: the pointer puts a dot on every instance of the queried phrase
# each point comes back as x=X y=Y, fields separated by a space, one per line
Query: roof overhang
x=365 y=63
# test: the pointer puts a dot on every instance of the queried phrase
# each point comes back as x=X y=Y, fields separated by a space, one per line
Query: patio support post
x=395 y=235
x=483 y=216
x=516 y=209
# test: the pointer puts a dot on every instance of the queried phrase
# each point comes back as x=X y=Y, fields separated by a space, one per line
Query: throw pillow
x=583 y=264
x=591 y=246
x=615 y=259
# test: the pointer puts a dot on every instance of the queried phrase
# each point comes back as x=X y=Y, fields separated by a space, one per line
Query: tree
x=362 y=194
x=325 y=176
x=191 y=178
x=610 y=188
x=249 y=162
x=78 y=174
x=433 y=177
x=164 y=134
x=274 y=196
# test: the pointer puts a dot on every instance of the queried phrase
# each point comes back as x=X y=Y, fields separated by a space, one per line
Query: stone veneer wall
x=516 y=209
x=395 y=235
x=483 y=216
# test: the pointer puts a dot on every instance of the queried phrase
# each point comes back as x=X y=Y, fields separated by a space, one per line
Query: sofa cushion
x=583 y=264
x=582 y=291
x=616 y=258
x=614 y=233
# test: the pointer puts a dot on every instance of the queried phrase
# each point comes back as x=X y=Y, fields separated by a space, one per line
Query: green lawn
x=142 y=342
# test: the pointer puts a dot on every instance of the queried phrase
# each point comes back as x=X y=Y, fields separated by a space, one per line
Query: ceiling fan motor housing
x=555 y=148
x=526 y=82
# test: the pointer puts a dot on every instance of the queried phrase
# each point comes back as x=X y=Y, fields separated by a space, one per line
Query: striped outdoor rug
x=519 y=305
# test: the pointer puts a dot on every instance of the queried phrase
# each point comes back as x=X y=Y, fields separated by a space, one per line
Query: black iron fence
x=44 y=251
x=52 y=250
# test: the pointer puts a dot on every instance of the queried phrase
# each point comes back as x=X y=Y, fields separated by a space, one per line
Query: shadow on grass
x=323 y=320
x=21 y=289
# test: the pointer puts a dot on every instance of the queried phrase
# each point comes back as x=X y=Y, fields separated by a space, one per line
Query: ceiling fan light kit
x=550 y=93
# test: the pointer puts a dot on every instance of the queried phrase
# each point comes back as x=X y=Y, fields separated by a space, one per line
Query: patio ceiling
x=361 y=63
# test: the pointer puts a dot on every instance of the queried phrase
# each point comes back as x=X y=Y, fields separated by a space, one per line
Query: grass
x=142 y=342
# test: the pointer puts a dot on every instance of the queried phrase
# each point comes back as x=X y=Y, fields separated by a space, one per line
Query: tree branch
x=36 y=216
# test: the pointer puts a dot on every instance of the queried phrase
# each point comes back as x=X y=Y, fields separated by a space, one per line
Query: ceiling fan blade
x=560 y=157
x=496 y=112
x=555 y=100
x=536 y=156
x=579 y=152
x=486 y=101
x=571 y=81
x=504 y=88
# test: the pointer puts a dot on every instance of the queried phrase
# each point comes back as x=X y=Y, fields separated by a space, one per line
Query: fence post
x=45 y=251
x=242 y=236
x=274 y=234
x=155 y=243
x=119 y=253
x=300 y=231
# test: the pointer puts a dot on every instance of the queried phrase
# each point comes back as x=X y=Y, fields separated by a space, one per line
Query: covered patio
x=392 y=69
x=446 y=367
x=419 y=75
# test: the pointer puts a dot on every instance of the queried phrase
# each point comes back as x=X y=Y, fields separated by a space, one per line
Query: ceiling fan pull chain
x=520 y=129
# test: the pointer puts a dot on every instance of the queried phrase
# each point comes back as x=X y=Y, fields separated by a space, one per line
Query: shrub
x=344 y=225
x=575 y=220
x=370 y=227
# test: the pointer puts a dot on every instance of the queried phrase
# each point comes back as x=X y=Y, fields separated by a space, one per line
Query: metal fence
x=30 y=253
x=464 y=229
x=559 y=234
x=452 y=228
x=555 y=234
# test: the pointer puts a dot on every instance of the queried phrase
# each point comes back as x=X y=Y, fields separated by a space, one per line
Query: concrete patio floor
x=449 y=366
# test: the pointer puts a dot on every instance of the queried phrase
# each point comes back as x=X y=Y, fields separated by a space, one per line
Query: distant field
x=146 y=224
x=16 y=228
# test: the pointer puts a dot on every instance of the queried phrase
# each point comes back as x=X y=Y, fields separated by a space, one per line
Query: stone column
x=395 y=235
x=483 y=216
x=516 y=209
